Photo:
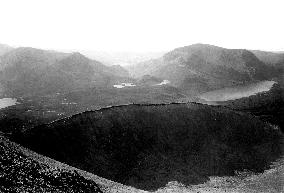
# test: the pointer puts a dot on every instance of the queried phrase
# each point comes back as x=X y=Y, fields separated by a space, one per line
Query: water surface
x=6 y=102
x=232 y=93
x=122 y=85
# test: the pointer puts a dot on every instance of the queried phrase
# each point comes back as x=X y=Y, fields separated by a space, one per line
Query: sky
x=142 y=25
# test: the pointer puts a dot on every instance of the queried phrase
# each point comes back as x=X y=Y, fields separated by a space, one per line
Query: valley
x=146 y=146
x=200 y=118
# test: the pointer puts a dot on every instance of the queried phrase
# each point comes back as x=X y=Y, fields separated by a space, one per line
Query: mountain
x=147 y=146
x=275 y=60
x=30 y=71
x=270 y=58
x=149 y=80
x=119 y=71
x=4 y=49
x=200 y=67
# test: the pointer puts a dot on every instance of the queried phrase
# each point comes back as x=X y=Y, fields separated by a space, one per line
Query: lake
x=6 y=102
x=232 y=93
x=122 y=85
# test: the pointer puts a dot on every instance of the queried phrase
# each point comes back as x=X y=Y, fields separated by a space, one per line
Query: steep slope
x=22 y=173
x=275 y=59
x=29 y=71
x=147 y=146
x=202 y=67
x=119 y=71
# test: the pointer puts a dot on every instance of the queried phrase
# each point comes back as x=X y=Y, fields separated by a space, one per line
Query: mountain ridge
x=30 y=70
x=207 y=67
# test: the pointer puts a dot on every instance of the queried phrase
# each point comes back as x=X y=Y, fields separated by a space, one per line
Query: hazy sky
x=142 y=25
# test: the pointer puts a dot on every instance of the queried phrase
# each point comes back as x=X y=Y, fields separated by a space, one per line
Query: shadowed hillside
x=146 y=146
x=269 y=106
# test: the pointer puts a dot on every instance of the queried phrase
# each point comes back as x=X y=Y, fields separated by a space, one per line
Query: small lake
x=6 y=102
x=122 y=85
x=163 y=82
x=232 y=93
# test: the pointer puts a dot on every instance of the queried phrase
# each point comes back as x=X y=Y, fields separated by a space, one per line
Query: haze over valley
x=142 y=96
x=47 y=92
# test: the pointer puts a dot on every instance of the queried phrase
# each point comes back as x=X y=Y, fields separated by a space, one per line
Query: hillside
x=147 y=146
x=275 y=59
x=200 y=67
x=268 y=106
x=149 y=80
x=30 y=71
x=119 y=71
x=22 y=173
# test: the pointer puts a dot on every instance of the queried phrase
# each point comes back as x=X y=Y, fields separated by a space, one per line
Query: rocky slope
x=21 y=173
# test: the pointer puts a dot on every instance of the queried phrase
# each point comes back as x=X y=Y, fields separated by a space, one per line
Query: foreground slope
x=57 y=177
x=147 y=146
x=21 y=173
